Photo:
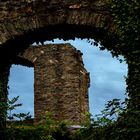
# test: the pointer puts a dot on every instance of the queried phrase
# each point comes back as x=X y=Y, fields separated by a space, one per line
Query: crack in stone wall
x=61 y=82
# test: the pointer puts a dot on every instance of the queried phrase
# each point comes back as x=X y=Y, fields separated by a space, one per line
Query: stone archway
x=26 y=21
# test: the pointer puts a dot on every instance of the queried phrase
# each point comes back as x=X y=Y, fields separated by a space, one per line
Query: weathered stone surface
x=25 y=16
x=61 y=82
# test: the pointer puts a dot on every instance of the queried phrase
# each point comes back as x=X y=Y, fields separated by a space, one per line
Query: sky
x=106 y=78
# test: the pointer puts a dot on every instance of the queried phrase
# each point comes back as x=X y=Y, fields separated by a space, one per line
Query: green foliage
x=11 y=103
x=48 y=129
x=114 y=109
x=104 y=127
x=49 y=121
x=11 y=106
x=87 y=121
x=4 y=72
x=126 y=16
x=22 y=116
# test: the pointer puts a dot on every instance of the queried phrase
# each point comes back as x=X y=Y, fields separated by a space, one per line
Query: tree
x=11 y=106
x=113 y=110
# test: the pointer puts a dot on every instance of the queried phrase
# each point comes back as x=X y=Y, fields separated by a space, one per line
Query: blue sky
x=106 y=78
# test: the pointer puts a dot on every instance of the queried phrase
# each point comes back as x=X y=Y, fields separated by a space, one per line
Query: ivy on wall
x=4 y=73
x=126 y=16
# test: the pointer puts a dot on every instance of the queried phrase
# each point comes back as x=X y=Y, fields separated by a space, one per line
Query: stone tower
x=60 y=82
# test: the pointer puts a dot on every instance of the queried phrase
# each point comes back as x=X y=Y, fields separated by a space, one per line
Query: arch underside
x=26 y=23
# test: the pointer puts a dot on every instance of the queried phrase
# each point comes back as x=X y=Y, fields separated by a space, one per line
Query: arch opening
x=96 y=104
x=21 y=85
x=62 y=32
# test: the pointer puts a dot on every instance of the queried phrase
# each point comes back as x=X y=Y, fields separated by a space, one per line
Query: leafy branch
x=11 y=106
x=114 y=109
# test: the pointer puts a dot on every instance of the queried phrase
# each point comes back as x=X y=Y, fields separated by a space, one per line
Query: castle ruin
x=60 y=82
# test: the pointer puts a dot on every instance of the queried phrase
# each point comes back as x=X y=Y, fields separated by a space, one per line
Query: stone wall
x=61 y=82
x=20 y=17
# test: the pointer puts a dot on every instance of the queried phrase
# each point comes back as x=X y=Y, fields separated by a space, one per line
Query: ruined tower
x=60 y=82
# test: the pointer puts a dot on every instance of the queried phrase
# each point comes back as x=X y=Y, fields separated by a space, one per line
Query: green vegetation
x=126 y=16
x=12 y=117
x=21 y=129
x=48 y=129
x=11 y=106
x=114 y=109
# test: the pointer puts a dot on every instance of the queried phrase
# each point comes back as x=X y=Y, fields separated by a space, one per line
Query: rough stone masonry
x=60 y=82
